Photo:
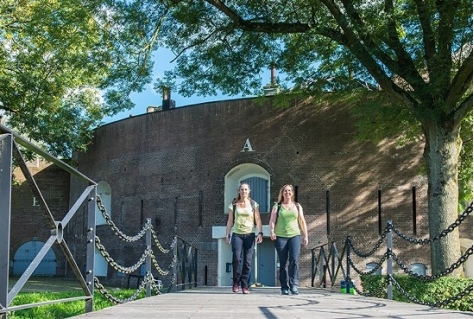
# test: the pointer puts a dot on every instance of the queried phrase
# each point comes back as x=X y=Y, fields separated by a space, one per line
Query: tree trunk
x=443 y=146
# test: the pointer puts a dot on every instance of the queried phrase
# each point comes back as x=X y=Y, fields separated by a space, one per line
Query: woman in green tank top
x=287 y=225
x=243 y=217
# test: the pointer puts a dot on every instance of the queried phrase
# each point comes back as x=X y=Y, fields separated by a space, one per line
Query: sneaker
x=294 y=291
x=245 y=291
x=285 y=292
x=235 y=287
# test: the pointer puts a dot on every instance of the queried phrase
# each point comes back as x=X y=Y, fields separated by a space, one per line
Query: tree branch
x=462 y=81
x=406 y=67
x=428 y=35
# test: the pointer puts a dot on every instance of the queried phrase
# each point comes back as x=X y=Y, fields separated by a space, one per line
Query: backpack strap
x=279 y=208
x=234 y=207
x=298 y=207
x=278 y=212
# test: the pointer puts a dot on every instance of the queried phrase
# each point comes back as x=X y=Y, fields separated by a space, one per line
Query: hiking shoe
x=285 y=292
x=245 y=291
x=235 y=287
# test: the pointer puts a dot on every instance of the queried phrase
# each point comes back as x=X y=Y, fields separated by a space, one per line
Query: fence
x=331 y=264
x=184 y=256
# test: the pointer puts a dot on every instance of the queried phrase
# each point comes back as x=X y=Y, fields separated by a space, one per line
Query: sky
x=149 y=97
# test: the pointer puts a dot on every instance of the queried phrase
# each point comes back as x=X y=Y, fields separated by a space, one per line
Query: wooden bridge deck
x=268 y=303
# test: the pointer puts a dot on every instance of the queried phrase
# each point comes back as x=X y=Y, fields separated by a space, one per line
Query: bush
x=429 y=292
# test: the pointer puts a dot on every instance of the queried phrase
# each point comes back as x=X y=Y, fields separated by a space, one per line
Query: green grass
x=64 y=309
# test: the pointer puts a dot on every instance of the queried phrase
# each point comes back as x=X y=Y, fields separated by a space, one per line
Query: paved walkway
x=268 y=303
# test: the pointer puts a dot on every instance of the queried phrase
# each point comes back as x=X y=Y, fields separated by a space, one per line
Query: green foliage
x=64 y=65
x=466 y=165
x=430 y=292
x=63 y=310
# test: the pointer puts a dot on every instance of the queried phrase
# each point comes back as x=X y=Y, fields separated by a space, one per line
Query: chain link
x=376 y=247
x=158 y=244
x=148 y=278
x=116 y=230
x=390 y=254
x=445 y=272
x=444 y=233
x=370 y=272
x=115 y=265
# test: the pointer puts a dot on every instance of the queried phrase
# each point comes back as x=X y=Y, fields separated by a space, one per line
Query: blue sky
x=149 y=97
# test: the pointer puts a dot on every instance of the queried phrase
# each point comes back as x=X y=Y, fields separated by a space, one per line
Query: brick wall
x=158 y=164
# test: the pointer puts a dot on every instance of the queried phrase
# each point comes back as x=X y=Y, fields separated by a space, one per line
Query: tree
x=64 y=65
x=418 y=53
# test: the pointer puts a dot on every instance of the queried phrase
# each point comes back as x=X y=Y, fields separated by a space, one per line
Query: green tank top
x=287 y=223
x=244 y=219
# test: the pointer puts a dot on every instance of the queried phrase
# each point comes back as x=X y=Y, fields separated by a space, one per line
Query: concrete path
x=268 y=303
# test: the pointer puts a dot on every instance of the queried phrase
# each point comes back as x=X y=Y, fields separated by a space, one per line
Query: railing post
x=148 y=258
x=389 y=260
x=313 y=272
x=6 y=151
x=175 y=266
x=348 y=270
x=195 y=266
x=90 y=257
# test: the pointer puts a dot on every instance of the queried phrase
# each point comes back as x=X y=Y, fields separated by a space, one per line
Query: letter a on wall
x=247 y=146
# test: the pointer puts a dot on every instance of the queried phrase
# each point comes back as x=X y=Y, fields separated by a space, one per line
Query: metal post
x=6 y=151
x=255 y=262
x=379 y=204
x=413 y=205
x=90 y=250
x=328 y=214
x=348 y=265
x=175 y=266
x=389 y=260
x=148 y=258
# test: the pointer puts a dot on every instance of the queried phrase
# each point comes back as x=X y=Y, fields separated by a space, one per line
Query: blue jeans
x=288 y=250
x=242 y=246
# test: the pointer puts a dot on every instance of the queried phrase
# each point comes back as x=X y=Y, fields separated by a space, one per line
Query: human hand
x=305 y=241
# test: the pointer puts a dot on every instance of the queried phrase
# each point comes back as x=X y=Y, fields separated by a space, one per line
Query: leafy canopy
x=65 y=64
x=416 y=54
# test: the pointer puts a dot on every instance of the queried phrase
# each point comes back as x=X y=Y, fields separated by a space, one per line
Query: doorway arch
x=264 y=261
x=25 y=254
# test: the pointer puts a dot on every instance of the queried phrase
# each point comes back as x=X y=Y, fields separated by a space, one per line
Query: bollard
x=351 y=288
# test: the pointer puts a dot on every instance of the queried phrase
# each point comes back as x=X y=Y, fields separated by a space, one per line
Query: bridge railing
x=330 y=265
x=182 y=269
x=12 y=146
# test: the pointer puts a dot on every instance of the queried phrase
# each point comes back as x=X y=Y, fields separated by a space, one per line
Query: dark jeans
x=242 y=246
x=288 y=250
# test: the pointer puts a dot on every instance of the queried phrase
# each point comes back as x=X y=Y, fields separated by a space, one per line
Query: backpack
x=234 y=207
x=279 y=208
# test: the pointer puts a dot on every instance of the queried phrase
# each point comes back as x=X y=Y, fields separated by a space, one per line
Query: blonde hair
x=280 y=195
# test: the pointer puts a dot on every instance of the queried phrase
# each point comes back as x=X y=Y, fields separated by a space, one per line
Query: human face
x=244 y=191
x=288 y=192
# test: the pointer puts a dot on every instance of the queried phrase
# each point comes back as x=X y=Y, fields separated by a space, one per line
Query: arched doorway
x=25 y=254
x=264 y=263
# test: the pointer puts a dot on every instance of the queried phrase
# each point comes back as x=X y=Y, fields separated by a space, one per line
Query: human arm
x=272 y=222
x=230 y=221
x=258 y=221
x=303 y=226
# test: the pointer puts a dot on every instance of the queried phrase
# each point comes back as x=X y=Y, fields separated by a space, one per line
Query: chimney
x=271 y=88
x=168 y=103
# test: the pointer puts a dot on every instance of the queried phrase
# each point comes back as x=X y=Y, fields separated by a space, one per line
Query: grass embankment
x=66 y=309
